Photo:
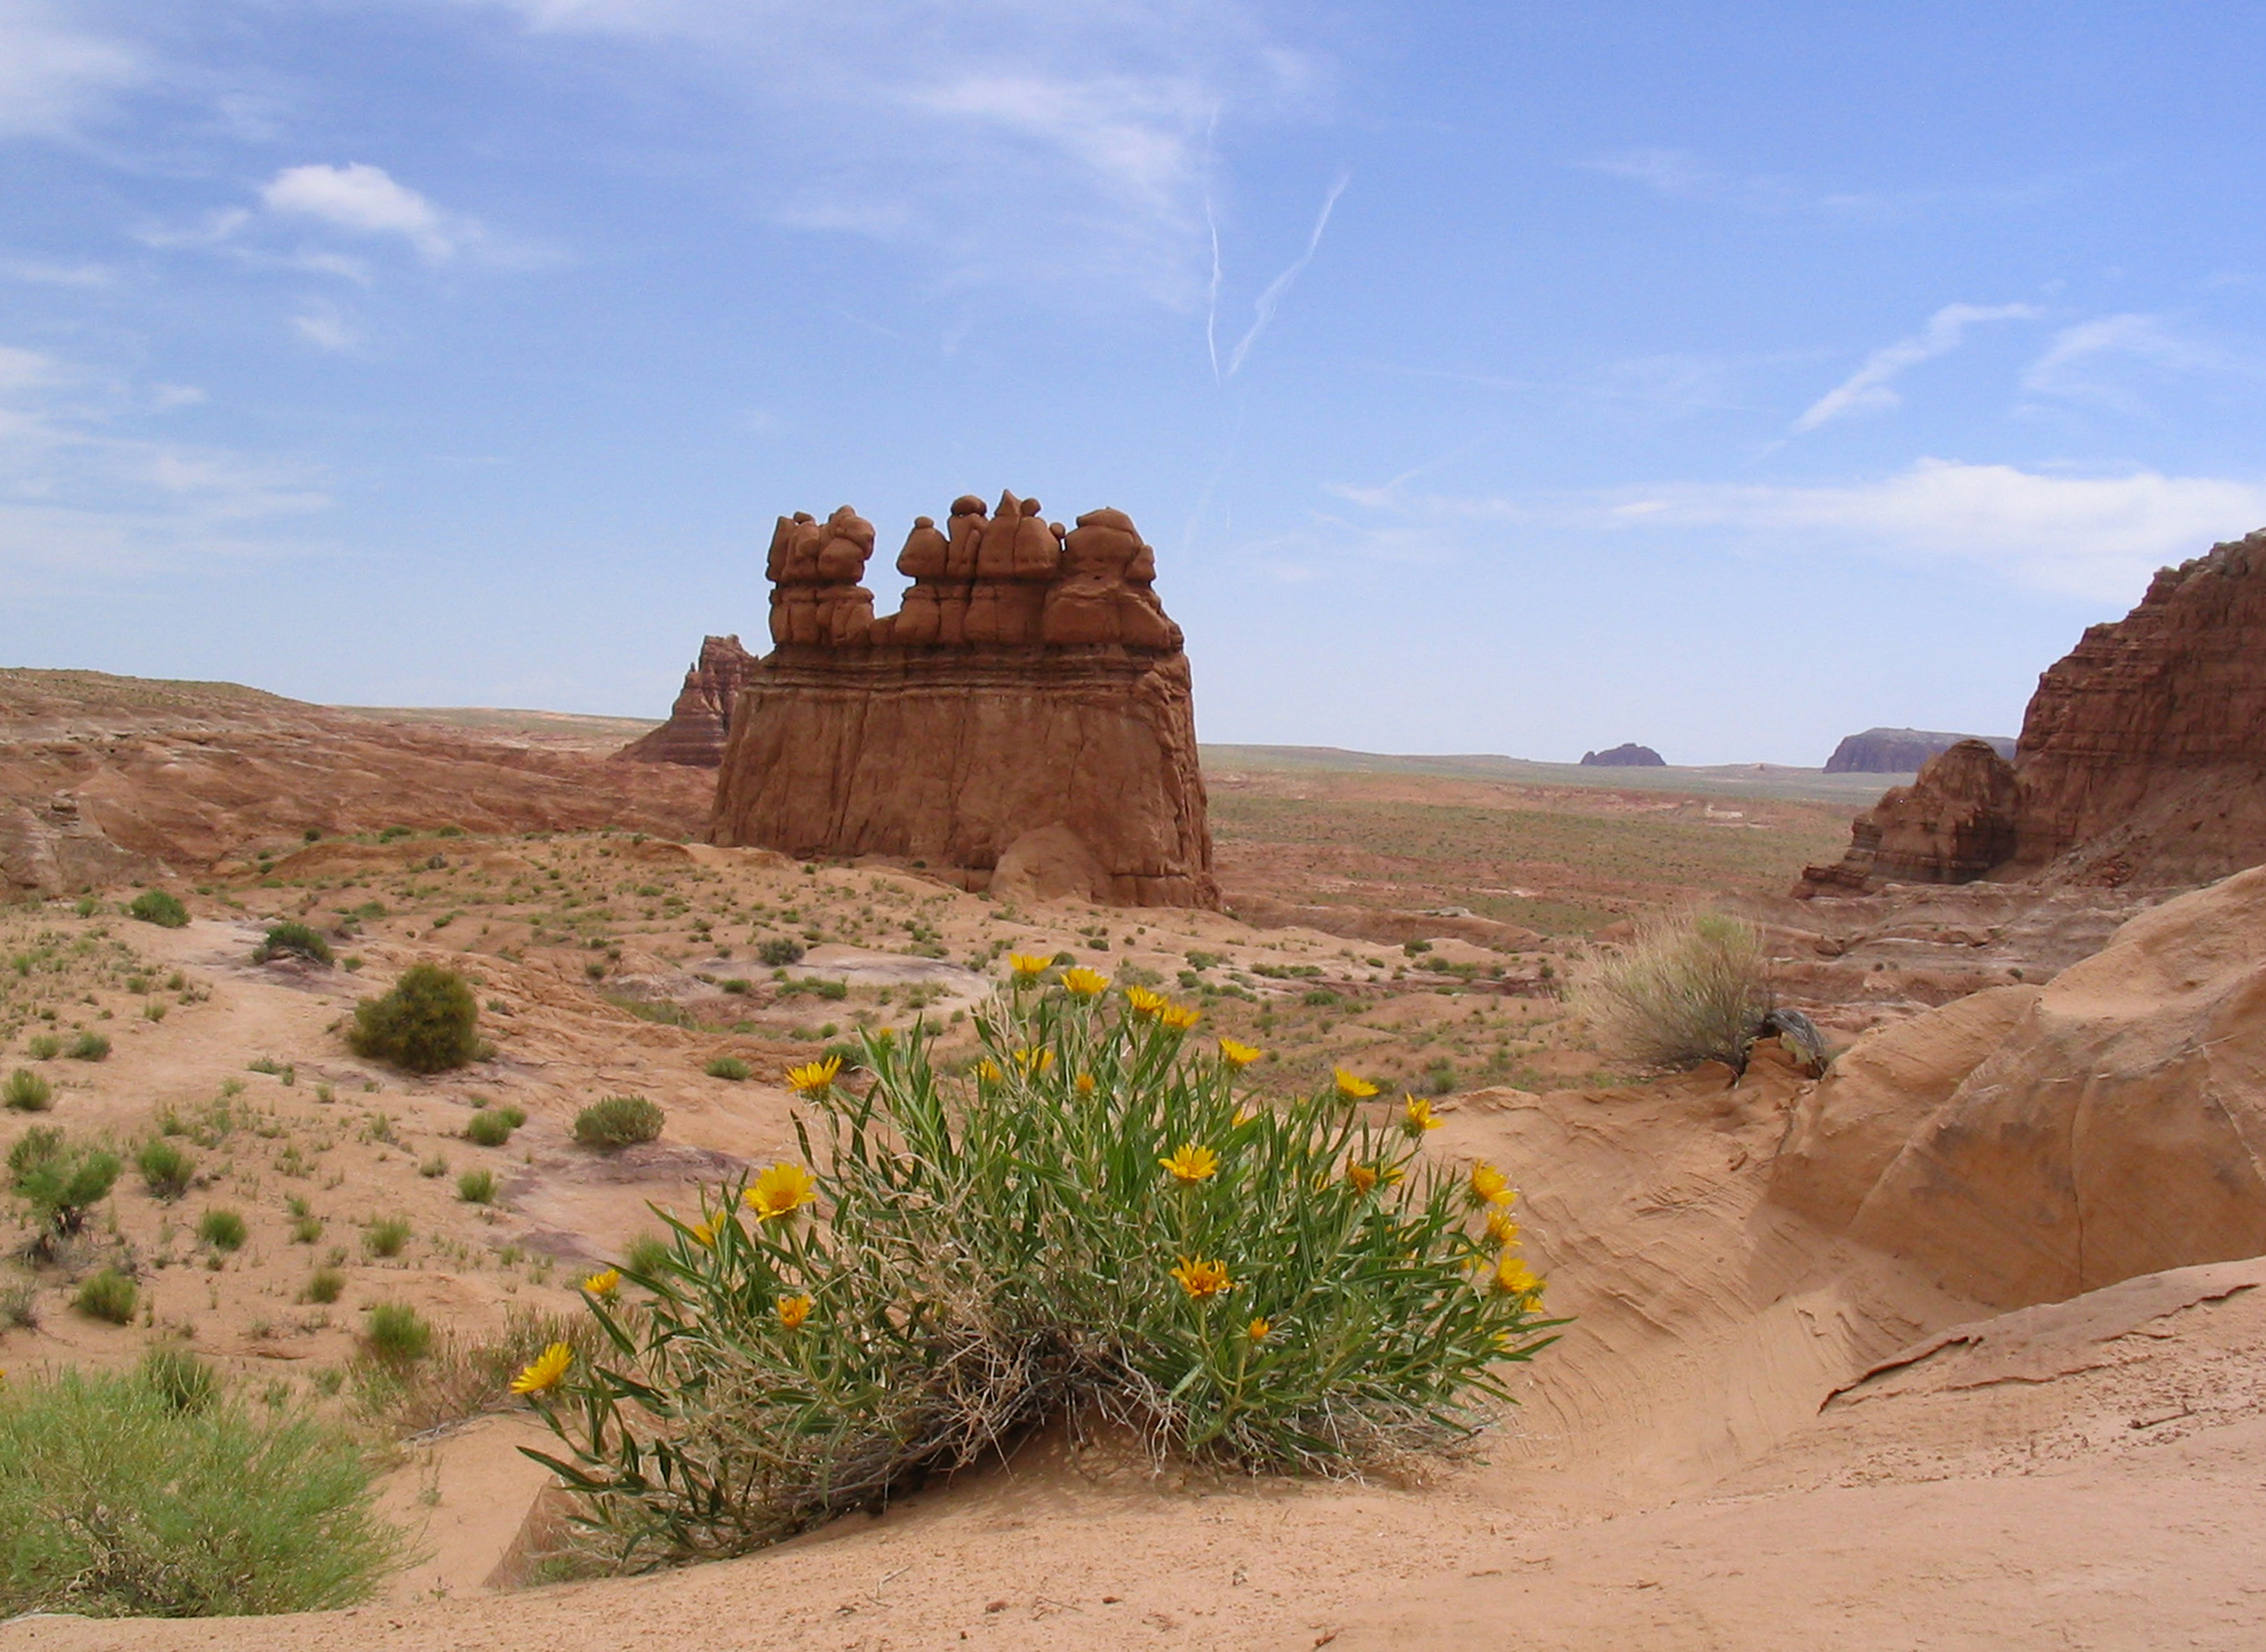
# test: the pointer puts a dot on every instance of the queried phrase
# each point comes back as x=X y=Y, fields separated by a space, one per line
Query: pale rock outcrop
x=2112 y=1126
x=1025 y=715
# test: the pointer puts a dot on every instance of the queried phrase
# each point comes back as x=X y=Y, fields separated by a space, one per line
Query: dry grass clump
x=1685 y=990
x=1099 y=1223
x=461 y=1377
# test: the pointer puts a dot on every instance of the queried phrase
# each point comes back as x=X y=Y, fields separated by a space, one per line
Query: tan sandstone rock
x=1026 y=716
x=2109 y=1130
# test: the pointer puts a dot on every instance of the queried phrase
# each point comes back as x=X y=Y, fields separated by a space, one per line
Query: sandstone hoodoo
x=1024 y=722
x=2142 y=758
x=701 y=717
x=1627 y=755
x=1901 y=750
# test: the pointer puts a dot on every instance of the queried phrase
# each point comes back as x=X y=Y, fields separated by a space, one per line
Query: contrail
x=1273 y=295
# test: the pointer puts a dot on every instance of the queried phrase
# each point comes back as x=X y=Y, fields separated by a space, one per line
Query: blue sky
x=1491 y=377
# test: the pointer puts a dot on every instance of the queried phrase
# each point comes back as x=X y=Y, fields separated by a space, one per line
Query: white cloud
x=53 y=75
x=1683 y=176
x=43 y=273
x=2076 y=366
x=367 y=200
x=85 y=495
x=324 y=327
x=1868 y=389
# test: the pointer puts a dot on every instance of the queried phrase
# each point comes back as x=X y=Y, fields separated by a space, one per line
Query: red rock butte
x=1024 y=723
x=2142 y=758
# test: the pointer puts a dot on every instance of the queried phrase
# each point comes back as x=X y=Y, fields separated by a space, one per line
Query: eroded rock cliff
x=700 y=719
x=1027 y=710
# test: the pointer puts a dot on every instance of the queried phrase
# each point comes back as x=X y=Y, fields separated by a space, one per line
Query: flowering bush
x=1095 y=1224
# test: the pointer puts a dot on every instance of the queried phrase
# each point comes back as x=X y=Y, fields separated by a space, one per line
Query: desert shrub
x=396 y=1332
x=179 y=1378
x=463 y=1376
x=43 y=1047
x=477 y=1187
x=108 y=1295
x=28 y=1092
x=166 y=1169
x=155 y=905
x=90 y=1046
x=777 y=954
x=1099 y=1223
x=59 y=1180
x=490 y=1127
x=116 y=1500
x=221 y=1229
x=325 y=1286
x=729 y=1066
x=1684 y=990
x=386 y=1237
x=618 y=1121
x=427 y=1023
x=291 y=939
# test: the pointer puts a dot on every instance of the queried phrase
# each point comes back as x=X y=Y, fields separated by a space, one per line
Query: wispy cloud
x=1868 y=390
x=1264 y=307
x=54 y=72
x=50 y=272
x=2079 y=363
x=323 y=326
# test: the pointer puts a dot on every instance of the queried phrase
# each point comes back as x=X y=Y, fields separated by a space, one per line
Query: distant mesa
x=1629 y=755
x=1902 y=751
x=1024 y=723
x=701 y=718
x=2142 y=758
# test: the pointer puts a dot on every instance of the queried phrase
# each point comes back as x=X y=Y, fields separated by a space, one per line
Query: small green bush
x=108 y=1295
x=166 y=1169
x=386 y=1238
x=291 y=939
x=178 y=1377
x=306 y=1230
x=477 y=1187
x=648 y=1255
x=117 y=1501
x=221 y=1229
x=729 y=1066
x=427 y=1023
x=90 y=1046
x=28 y=1092
x=617 y=1122
x=58 y=1180
x=395 y=1333
x=1685 y=990
x=777 y=954
x=325 y=1285
x=1101 y=1223
x=490 y=1127
x=43 y=1047
x=157 y=906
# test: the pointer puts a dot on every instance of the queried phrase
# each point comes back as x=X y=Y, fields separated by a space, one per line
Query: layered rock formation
x=1027 y=711
x=2142 y=757
x=1901 y=750
x=2025 y=1143
x=1627 y=755
x=700 y=719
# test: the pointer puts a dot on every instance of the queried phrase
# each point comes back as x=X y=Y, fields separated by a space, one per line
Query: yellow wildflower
x=1027 y=967
x=603 y=1284
x=1417 y=1116
x=781 y=1190
x=1500 y=1228
x=1244 y=1115
x=1084 y=1082
x=1084 y=983
x=988 y=1070
x=1142 y=1002
x=1036 y=1060
x=1363 y=1176
x=815 y=1078
x=1354 y=1089
x=548 y=1370
x=1179 y=1017
x=1192 y=1164
x=1490 y=1186
x=1513 y=1278
x=793 y=1311
x=704 y=1233
x=1201 y=1279
x=1240 y=1055
x=1258 y=1330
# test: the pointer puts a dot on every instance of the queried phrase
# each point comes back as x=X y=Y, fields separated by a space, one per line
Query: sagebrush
x=1684 y=990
